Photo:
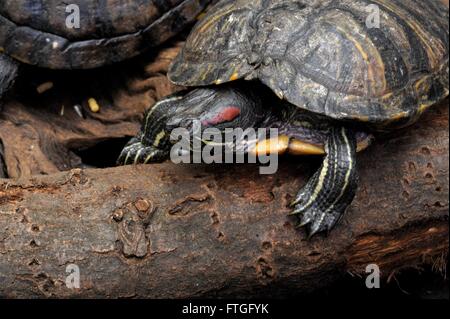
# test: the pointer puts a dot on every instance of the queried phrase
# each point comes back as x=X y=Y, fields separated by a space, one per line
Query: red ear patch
x=227 y=114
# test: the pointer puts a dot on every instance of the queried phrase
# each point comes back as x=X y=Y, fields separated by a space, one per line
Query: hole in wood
x=103 y=154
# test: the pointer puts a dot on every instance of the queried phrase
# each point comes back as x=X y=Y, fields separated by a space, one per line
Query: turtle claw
x=295 y=206
x=295 y=212
x=137 y=153
x=316 y=220
x=302 y=224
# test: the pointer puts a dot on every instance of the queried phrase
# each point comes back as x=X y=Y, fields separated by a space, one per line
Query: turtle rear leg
x=8 y=73
x=326 y=196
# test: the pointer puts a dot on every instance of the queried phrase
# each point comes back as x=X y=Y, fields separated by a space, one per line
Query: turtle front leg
x=8 y=73
x=219 y=108
x=326 y=196
x=152 y=144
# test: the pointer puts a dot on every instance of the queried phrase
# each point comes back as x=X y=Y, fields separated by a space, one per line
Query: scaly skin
x=324 y=199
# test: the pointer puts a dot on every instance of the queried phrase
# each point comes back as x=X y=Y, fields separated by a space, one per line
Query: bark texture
x=44 y=134
x=170 y=231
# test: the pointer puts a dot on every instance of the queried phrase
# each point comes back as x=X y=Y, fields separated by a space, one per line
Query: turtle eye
x=223 y=115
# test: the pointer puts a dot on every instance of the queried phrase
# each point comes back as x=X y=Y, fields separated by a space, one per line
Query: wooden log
x=174 y=231
x=43 y=133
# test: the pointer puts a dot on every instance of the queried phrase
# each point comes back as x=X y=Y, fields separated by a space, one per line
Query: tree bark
x=44 y=134
x=173 y=231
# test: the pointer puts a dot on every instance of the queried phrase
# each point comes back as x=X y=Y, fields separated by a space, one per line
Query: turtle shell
x=35 y=31
x=327 y=56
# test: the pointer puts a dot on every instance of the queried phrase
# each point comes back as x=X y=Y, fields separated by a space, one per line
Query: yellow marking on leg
x=149 y=157
x=159 y=137
x=347 y=174
x=349 y=154
x=335 y=163
x=319 y=186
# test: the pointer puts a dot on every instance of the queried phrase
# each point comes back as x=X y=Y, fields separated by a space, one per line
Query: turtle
x=47 y=33
x=323 y=72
